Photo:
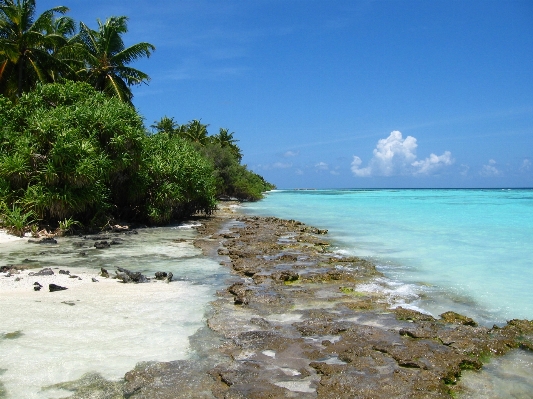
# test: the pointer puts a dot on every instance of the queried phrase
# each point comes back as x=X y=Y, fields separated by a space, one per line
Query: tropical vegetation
x=73 y=149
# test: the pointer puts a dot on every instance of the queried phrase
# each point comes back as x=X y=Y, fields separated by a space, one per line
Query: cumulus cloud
x=490 y=170
x=395 y=155
x=433 y=162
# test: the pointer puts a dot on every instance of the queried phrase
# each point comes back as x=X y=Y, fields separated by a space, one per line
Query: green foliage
x=176 y=179
x=67 y=226
x=28 y=45
x=16 y=220
x=105 y=58
x=68 y=151
x=231 y=178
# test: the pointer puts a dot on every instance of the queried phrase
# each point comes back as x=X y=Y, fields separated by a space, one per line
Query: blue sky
x=341 y=94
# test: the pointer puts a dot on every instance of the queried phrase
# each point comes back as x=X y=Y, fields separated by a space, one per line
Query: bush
x=69 y=152
x=177 y=181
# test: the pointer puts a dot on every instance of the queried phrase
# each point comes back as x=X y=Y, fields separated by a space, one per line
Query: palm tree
x=106 y=57
x=165 y=125
x=196 y=132
x=27 y=45
x=225 y=139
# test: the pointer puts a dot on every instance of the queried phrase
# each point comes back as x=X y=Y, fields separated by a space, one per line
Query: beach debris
x=94 y=280
x=118 y=228
x=55 y=287
x=69 y=303
x=12 y=335
x=37 y=286
x=104 y=272
x=45 y=272
x=101 y=244
x=128 y=276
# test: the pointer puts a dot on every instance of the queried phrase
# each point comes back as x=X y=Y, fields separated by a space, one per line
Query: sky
x=344 y=94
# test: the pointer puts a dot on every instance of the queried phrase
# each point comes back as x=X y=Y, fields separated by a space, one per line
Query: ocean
x=470 y=251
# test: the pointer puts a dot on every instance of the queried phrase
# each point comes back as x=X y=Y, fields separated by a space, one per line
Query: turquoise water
x=463 y=250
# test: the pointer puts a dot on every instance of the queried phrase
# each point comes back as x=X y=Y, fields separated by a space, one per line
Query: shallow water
x=465 y=250
x=106 y=326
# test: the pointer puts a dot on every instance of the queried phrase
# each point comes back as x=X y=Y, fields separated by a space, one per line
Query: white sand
x=7 y=238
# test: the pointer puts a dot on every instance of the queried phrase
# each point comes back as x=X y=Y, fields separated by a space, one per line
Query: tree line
x=73 y=149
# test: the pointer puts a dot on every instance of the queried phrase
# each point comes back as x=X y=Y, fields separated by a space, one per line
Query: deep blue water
x=468 y=250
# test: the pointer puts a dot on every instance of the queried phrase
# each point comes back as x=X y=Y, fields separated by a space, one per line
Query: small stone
x=94 y=280
x=55 y=287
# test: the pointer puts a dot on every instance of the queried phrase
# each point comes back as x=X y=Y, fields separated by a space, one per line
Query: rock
x=37 y=286
x=456 y=318
x=117 y=241
x=45 y=272
x=94 y=280
x=130 y=277
x=64 y=272
x=101 y=244
x=104 y=272
x=73 y=276
x=55 y=287
x=160 y=275
x=46 y=240
x=286 y=275
x=169 y=277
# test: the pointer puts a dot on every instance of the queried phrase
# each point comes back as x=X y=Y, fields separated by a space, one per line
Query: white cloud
x=490 y=170
x=433 y=162
x=322 y=166
x=356 y=170
x=291 y=154
x=281 y=165
x=299 y=172
x=395 y=155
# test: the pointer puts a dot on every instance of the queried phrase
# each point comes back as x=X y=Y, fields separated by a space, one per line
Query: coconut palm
x=225 y=139
x=27 y=44
x=196 y=132
x=106 y=57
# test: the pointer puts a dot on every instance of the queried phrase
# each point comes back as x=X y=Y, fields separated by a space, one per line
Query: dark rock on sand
x=55 y=287
x=128 y=276
x=104 y=272
x=45 y=272
x=45 y=240
x=37 y=286
x=64 y=272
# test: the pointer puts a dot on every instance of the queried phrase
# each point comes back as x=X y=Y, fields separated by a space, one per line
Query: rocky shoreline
x=292 y=323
